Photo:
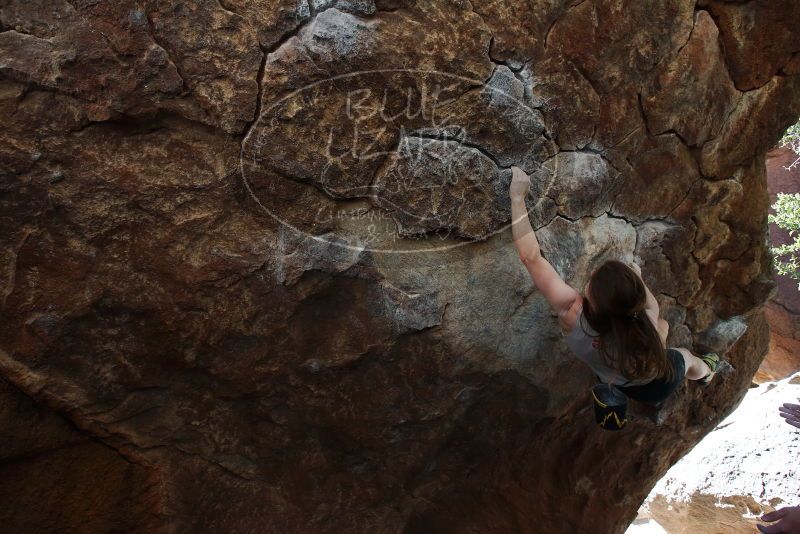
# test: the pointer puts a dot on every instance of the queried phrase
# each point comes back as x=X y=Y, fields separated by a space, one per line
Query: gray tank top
x=583 y=341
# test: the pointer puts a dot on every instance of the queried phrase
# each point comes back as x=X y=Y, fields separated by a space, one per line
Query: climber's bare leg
x=695 y=367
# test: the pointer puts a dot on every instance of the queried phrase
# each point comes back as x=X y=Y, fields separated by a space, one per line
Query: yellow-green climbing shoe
x=712 y=360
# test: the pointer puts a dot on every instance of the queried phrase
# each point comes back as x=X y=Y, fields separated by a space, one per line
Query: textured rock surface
x=261 y=249
x=744 y=468
x=54 y=478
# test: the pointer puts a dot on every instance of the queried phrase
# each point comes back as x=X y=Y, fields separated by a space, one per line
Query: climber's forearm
x=522 y=231
x=546 y=279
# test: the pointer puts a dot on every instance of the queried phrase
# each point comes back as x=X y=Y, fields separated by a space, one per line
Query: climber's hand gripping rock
x=520 y=183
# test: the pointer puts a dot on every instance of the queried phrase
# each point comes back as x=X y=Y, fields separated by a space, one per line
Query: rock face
x=745 y=468
x=56 y=479
x=262 y=251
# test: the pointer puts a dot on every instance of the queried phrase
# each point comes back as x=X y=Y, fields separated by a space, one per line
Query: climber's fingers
x=775 y=515
x=520 y=183
x=791 y=419
x=518 y=175
x=793 y=409
x=791 y=413
x=782 y=527
x=788 y=521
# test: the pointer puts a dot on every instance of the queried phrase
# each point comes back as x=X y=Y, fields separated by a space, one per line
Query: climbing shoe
x=712 y=360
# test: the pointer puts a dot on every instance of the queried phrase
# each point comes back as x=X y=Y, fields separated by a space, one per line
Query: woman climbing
x=614 y=326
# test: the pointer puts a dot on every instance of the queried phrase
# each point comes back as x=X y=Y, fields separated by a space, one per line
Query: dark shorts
x=658 y=390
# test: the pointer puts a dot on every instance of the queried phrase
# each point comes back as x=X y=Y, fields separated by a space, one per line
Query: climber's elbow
x=529 y=257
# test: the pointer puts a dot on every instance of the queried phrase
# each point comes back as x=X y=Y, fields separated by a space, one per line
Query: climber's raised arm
x=547 y=280
x=651 y=304
x=651 y=307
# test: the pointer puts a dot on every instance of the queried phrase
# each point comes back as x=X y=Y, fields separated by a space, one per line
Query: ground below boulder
x=745 y=467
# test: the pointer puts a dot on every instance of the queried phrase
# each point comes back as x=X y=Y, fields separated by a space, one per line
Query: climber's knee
x=695 y=367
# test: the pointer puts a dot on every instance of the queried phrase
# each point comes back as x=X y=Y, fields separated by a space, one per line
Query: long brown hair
x=629 y=341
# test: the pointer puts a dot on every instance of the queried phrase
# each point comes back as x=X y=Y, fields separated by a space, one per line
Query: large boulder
x=261 y=250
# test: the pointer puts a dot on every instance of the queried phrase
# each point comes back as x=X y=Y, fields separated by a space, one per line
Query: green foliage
x=792 y=137
x=787 y=217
